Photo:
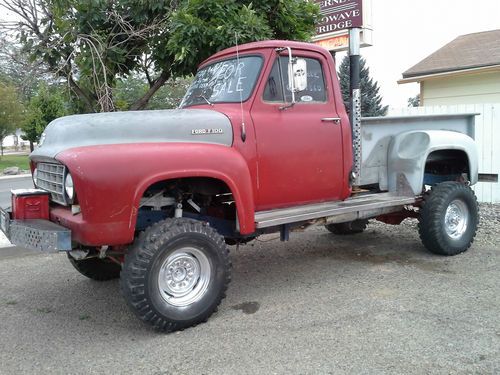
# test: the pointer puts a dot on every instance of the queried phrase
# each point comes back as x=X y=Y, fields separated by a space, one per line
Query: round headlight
x=68 y=186
x=35 y=176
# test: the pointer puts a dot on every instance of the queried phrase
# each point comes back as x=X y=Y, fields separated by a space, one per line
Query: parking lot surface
x=373 y=303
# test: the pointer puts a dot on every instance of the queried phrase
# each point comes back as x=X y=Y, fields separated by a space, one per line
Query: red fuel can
x=30 y=204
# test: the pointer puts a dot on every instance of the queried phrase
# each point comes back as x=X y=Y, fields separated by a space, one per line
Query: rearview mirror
x=297 y=75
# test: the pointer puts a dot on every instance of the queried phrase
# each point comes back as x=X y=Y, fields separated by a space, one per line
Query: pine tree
x=370 y=98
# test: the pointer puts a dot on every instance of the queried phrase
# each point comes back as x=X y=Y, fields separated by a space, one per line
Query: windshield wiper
x=204 y=98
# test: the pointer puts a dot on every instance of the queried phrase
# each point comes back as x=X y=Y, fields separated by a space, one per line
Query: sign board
x=337 y=17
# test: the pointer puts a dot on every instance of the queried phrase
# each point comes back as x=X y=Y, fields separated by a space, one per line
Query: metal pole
x=355 y=101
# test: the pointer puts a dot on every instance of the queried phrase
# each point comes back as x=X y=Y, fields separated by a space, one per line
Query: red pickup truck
x=261 y=143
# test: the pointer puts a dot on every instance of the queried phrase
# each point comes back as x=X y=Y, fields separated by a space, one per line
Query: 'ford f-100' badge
x=206 y=131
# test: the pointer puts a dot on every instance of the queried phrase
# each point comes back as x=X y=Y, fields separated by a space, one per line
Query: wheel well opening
x=446 y=165
x=200 y=198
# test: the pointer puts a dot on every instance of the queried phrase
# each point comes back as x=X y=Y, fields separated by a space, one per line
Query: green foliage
x=414 y=101
x=129 y=90
x=47 y=105
x=370 y=98
x=171 y=94
x=199 y=28
x=11 y=110
x=97 y=44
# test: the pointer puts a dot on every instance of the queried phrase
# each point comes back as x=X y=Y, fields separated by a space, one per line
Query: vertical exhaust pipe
x=355 y=102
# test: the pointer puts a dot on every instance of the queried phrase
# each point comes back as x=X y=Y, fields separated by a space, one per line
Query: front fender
x=408 y=152
x=111 y=179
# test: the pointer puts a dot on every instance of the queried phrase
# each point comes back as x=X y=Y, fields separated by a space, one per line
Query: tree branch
x=159 y=82
x=81 y=94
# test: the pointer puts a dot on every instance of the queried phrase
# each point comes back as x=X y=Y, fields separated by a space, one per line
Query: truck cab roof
x=264 y=44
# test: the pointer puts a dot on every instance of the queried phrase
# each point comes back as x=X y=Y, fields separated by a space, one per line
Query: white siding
x=466 y=89
x=487 y=139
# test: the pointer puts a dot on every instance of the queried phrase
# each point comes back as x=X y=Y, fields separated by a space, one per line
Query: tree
x=17 y=70
x=414 y=101
x=46 y=106
x=11 y=112
x=128 y=90
x=94 y=44
x=370 y=98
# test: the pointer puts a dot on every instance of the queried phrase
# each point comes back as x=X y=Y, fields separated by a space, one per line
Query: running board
x=264 y=219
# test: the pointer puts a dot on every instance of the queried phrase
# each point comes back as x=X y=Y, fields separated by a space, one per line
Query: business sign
x=337 y=17
x=334 y=43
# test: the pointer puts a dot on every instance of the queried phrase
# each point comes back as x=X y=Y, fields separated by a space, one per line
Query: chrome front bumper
x=37 y=234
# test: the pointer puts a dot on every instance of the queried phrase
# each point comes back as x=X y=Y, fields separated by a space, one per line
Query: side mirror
x=297 y=75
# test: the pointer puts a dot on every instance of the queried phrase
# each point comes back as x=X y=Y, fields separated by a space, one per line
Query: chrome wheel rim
x=456 y=219
x=184 y=276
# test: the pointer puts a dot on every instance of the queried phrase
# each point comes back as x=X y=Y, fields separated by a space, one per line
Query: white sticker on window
x=306 y=98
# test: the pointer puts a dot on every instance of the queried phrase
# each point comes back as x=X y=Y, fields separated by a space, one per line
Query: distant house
x=16 y=141
x=464 y=71
x=464 y=77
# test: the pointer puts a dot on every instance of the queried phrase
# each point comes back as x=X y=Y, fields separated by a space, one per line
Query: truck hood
x=178 y=125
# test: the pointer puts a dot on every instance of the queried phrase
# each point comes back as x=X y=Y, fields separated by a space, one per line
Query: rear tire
x=96 y=268
x=351 y=227
x=176 y=274
x=449 y=218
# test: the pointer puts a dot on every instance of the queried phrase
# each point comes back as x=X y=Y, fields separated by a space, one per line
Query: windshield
x=226 y=81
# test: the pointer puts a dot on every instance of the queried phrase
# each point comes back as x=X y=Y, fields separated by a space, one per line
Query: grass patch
x=11 y=302
x=20 y=161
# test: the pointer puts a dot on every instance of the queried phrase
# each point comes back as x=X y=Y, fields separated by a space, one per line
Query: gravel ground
x=374 y=303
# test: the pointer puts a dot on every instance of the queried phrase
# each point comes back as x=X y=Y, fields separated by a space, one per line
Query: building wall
x=466 y=89
x=487 y=136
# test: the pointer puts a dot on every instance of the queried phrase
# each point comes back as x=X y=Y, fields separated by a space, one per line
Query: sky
x=407 y=31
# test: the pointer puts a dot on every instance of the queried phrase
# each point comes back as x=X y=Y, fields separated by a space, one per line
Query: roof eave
x=424 y=77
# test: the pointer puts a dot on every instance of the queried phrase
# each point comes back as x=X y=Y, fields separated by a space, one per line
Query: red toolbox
x=30 y=204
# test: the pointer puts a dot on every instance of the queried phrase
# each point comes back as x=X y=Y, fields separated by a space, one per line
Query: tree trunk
x=159 y=82
x=81 y=94
x=31 y=146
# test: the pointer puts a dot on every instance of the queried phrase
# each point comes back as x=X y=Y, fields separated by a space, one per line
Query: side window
x=315 y=91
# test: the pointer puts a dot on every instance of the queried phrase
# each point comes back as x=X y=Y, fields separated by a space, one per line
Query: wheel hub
x=456 y=219
x=184 y=276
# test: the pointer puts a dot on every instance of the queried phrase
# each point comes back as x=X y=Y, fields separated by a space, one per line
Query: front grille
x=50 y=177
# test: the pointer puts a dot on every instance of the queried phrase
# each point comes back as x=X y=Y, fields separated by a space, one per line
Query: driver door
x=299 y=148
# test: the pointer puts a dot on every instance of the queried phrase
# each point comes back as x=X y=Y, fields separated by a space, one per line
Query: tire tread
x=139 y=258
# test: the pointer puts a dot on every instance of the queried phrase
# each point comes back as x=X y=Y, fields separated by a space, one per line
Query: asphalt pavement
x=373 y=303
x=7 y=183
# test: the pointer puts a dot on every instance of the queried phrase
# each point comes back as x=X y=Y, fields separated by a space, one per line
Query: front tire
x=448 y=218
x=176 y=274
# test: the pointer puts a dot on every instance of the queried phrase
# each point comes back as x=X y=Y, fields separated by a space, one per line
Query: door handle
x=336 y=120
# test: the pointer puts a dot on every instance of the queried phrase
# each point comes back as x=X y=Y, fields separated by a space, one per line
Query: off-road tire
x=96 y=268
x=351 y=227
x=433 y=225
x=148 y=259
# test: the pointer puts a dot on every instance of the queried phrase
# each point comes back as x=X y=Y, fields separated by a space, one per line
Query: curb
x=15 y=176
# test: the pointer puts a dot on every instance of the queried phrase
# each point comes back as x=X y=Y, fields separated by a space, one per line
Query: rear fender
x=408 y=153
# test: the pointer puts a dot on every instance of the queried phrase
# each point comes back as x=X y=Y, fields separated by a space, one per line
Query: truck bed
x=378 y=132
